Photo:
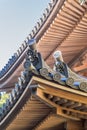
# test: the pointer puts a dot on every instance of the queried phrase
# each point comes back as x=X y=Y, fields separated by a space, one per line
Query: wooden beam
x=80 y=68
x=56 y=108
x=47 y=85
x=76 y=58
x=74 y=125
x=69 y=112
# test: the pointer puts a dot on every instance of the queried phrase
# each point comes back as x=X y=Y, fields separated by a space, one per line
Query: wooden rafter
x=80 y=68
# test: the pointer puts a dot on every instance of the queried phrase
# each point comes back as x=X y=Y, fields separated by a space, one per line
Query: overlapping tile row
x=13 y=59
x=36 y=28
x=42 y=19
x=16 y=92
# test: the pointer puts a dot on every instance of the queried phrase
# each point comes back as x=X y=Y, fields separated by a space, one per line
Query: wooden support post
x=74 y=125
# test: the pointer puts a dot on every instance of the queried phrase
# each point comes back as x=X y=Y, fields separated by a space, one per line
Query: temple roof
x=41 y=97
x=42 y=103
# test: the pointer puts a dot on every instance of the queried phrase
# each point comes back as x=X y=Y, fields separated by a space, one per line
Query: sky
x=17 y=19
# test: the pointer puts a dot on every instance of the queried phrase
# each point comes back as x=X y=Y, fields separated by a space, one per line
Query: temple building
x=46 y=79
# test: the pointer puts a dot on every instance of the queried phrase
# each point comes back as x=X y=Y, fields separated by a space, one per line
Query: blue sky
x=17 y=18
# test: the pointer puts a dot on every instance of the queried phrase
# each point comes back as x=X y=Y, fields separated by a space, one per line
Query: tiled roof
x=35 y=66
